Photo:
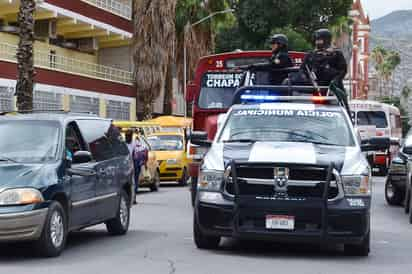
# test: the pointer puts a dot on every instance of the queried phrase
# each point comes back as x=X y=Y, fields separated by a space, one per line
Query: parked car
x=60 y=173
x=395 y=185
x=170 y=149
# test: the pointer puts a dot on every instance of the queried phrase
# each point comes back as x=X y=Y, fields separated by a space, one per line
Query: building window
x=83 y=104
x=118 y=110
x=43 y=100
x=6 y=99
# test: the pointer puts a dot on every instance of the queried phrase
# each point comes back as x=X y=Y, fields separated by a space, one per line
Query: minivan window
x=372 y=118
x=95 y=133
x=29 y=141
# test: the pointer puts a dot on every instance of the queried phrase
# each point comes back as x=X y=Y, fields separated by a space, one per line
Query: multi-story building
x=82 y=56
x=359 y=64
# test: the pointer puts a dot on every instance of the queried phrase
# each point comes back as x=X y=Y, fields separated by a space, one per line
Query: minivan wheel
x=202 y=241
x=393 y=195
x=156 y=182
x=362 y=249
x=119 y=225
x=54 y=235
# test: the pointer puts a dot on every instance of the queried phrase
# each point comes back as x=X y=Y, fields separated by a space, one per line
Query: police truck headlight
x=20 y=196
x=357 y=185
x=210 y=180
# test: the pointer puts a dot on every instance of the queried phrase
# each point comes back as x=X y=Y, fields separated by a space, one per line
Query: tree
x=256 y=20
x=153 y=48
x=199 y=40
x=25 y=63
x=386 y=63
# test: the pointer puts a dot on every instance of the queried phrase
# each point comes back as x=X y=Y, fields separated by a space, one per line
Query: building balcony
x=52 y=61
x=78 y=19
x=121 y=8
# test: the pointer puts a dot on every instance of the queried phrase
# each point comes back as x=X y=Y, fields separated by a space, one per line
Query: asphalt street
x=160 y=241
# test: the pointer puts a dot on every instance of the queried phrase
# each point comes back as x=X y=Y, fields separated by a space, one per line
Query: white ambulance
x=384 y=120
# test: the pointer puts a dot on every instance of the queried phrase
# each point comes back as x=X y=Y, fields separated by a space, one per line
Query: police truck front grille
x=304 y=182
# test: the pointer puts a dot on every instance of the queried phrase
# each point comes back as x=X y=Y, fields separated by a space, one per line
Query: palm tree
x=153 y=48
x=378 y=56
x=25 y=64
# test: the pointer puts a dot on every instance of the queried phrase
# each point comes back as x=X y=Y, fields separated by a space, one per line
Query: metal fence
x=6 y=99
x=117 y=110
x=114 y=6
x=52 y=61
x=83 y=104
x=43 y=100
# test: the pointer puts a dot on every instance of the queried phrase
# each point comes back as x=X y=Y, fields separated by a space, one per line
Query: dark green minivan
x=61 y=172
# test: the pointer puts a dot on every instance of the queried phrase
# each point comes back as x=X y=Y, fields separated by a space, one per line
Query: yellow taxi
x=146 y=127
x=173 y=123
x=170 y=149
x=151 y=176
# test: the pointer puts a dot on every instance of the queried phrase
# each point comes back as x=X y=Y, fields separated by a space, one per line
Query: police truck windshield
x=287 y=125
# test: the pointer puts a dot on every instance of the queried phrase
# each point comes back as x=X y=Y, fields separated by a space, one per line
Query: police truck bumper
x=346 y=221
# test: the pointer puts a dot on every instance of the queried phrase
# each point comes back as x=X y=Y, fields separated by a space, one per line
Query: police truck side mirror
x=190 y=92
x=199 y=138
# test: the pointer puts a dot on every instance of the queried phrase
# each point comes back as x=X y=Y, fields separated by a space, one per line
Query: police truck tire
x=193 y=190
x=410 y=211
x=202 y=241
x=393 y=195
x=54 y=235
x=406 y=202
x=119 y=225
x=361 y=249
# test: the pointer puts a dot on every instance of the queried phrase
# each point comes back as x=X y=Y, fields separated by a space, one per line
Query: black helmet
x=323 y=34
x=280 y=39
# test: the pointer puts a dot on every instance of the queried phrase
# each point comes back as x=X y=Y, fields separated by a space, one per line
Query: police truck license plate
x=280 y=222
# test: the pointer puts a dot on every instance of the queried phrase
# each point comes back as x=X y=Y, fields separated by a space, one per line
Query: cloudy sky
x=379 y=8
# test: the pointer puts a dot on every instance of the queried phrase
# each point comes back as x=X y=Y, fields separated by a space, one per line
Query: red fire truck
x=211 y=91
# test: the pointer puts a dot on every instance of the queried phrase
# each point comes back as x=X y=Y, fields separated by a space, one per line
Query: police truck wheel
x=183 y=180
x=410 y=210
x=120 y=224
x=406 y=202
x=53 y=238
x=193 y=190
x=362 y=249
x=202 y=241
x=392 y=194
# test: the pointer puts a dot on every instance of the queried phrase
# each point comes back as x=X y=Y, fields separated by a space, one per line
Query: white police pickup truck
x=285 y=169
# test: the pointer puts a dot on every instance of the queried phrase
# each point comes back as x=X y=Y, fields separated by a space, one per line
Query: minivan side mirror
x=376 y=144
x=81 y=157
x=199 y=138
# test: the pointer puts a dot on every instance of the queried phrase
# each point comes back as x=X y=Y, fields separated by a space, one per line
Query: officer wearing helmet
x=326 y=63
x=280 y=57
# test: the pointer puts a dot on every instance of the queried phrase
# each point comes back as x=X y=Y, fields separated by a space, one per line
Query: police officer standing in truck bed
x=327 y=63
